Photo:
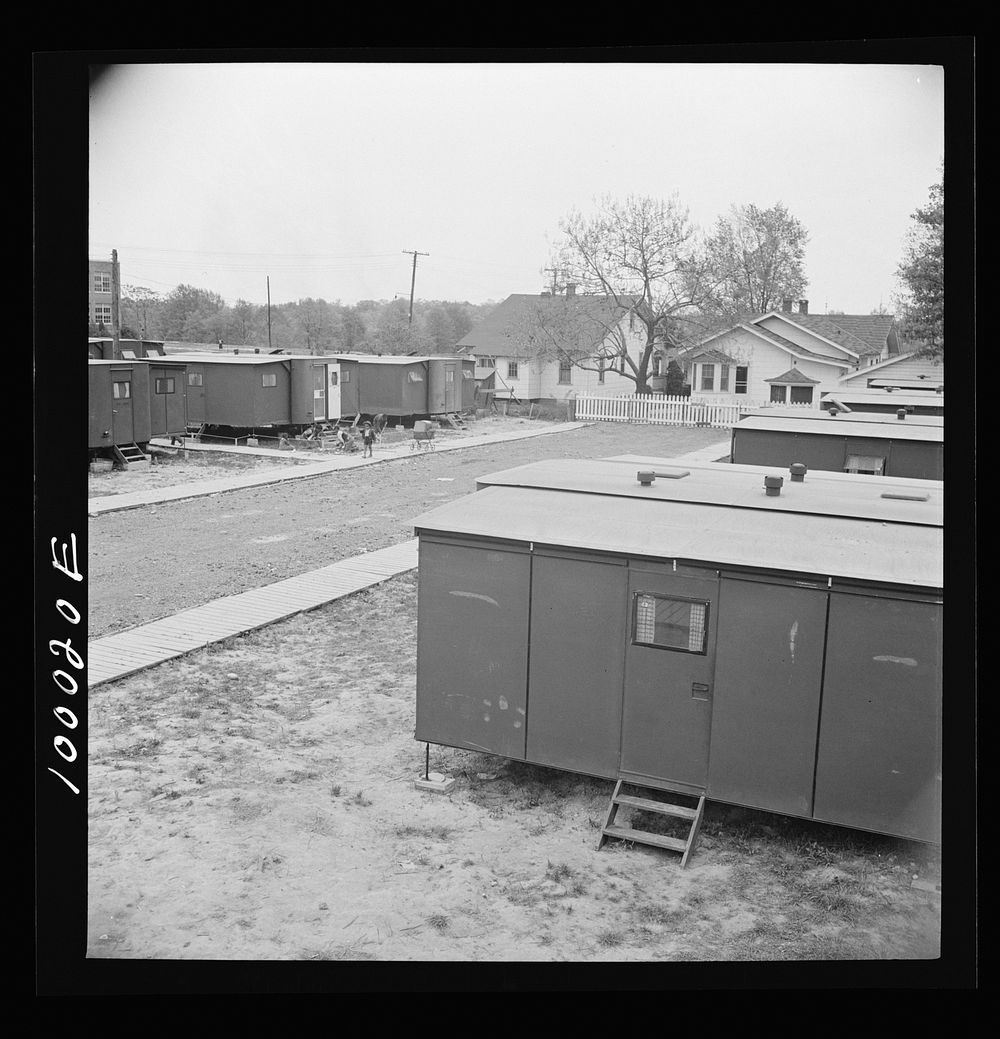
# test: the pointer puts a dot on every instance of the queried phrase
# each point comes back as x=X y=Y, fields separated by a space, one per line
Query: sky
x=321 y=179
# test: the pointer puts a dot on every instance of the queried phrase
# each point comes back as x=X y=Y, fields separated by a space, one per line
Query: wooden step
x=626 y=833
x=663 y=807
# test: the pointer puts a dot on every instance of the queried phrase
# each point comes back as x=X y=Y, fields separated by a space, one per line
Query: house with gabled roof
x=554 y=346
x=787 y=357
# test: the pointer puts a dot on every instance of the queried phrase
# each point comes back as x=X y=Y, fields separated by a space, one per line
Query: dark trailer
x=912 y=448
x=392 y=386
x=885 y=402
x=451 y=384
x=694 y=634
x=118 y=405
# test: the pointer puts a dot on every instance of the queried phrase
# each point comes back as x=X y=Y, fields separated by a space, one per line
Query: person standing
x=368 y=439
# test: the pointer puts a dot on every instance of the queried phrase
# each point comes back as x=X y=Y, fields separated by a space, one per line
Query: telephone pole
x=553 y=271
x=115 y=304
x=268 y=313
x=413 y=280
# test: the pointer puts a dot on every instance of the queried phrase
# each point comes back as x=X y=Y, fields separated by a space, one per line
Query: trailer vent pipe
x=798 y=471
x=772 y=485
x=901 y=414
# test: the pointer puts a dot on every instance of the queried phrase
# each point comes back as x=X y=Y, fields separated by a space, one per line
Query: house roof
x=497 y=333
x=887 y=363
x=698 y=350
x=862 y=334
x=794 y=376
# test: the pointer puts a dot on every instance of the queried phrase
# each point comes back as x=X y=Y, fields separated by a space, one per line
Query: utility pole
x=413 y=280
x=553 y=271
x=269 y=313
x=115 y=297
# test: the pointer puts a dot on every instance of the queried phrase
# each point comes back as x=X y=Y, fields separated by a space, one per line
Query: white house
x=522 y=347
x=787 y=357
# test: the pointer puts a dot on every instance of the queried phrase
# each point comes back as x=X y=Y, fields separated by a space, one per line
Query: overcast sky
x=320 y=176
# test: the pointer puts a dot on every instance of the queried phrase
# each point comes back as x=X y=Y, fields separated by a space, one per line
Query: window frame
x=662 y=597
x=565 y=373
x=707 y=379
x=265 y=376
x=512 y=369
x=169 y=380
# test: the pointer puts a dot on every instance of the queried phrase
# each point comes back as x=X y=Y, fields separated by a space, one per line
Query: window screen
x=870 y=464
x=194 y=379
x=269 y=380
x=164 y=386
x=668 y=623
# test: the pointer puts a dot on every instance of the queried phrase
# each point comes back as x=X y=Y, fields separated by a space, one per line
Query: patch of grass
x=439 y=922
x=360 y=799
x=335 y=790
x=434 y=833
x=610 y=939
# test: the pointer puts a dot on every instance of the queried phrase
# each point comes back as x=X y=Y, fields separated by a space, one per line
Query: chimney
x=786 y=306
x=803 y=306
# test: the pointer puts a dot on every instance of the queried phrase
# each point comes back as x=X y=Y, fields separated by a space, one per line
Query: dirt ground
x=255 y=800
x=161 y=559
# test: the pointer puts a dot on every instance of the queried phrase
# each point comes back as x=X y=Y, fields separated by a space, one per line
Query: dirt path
x=153 y=562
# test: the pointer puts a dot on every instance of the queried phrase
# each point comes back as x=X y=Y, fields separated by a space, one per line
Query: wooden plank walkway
x=146 y=646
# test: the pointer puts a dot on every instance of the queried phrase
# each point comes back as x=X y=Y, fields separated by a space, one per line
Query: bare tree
x=644 y=256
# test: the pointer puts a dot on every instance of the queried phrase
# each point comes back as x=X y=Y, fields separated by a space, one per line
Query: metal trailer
x=869 y=444
x=118 y=404
x=451 y=385
x=101 y=348
x=694 y=634
x=885 y=402
x=168 y=411
x=393 y=386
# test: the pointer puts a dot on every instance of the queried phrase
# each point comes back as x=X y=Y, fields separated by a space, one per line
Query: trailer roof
x=721 y=485
x=824 y=546
x=897 y=400
x=915 y=427
x=821 y=414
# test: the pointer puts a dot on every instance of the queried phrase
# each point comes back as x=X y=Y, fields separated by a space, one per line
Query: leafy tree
x=439 y=328
x=642 y=255
x=922 y=273
x=191 y=314
x=143 y=308
x=757 y=256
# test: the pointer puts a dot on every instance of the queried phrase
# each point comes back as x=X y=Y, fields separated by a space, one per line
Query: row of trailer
x=135 y=399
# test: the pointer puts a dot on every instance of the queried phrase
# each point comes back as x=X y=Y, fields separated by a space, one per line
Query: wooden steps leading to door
x=130 y=454
x=693 y=815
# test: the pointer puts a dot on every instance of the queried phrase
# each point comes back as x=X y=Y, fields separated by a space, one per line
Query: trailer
x=880 y=445
x=885 y=401
x=451 y=384
x=691 y=631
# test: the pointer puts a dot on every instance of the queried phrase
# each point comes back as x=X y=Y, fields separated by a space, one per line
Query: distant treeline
x=192 y=315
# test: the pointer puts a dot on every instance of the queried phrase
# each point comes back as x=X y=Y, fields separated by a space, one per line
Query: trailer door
x=449 y=387
x=122 y=415
x=333 y=403
x=669 y=661
x=319 y=392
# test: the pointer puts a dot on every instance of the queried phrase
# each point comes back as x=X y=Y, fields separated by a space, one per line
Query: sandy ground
x=255 y=800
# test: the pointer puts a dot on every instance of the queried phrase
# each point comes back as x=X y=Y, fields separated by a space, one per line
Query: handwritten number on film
x=63 y=648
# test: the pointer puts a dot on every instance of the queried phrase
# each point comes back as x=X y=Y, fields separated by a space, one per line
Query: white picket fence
x=659 y=409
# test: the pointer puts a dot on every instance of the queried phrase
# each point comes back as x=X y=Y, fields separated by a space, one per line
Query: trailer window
x=269 y=380
x=334 y=379
x=867 y=464
x=668 y=623
x=194 y=379
x=467 y=374
x=414 y=376
x=121 y=390
x=346 y=376
x=163 y=386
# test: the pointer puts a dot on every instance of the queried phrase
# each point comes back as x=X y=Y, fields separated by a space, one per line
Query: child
x=368 y=439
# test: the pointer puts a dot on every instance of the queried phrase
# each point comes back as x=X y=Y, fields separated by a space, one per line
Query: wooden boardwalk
x=134 y=650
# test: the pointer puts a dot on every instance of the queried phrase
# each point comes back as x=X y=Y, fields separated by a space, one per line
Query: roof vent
x=798 y=471
x=773 y=485
x=647 y=476
x=901 y=414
